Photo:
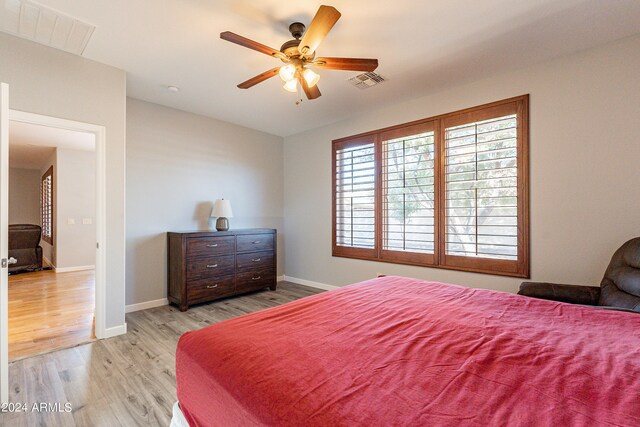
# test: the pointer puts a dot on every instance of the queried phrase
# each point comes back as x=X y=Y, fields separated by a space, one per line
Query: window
x=408 y=194
x=354 y=197
x=46 y=206
x=449 y=191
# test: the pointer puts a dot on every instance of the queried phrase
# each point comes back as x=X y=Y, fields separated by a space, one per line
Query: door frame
x=101 y=230
x=4 y=237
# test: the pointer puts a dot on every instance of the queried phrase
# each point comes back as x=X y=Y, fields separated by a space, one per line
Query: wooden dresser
x=204 y=266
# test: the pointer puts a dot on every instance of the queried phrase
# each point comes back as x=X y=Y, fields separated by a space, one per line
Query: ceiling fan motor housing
x=290 y=48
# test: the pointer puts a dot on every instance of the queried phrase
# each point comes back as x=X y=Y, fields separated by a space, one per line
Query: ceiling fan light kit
x=298 y=54
x=291 y=86
x=287 y=72
x=311 y=77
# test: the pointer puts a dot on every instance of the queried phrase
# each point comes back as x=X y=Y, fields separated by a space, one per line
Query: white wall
x=54 y=83
x=177 y=164
x=75 y=192
x=48 y=249
x=585 y=178
x=24 y=196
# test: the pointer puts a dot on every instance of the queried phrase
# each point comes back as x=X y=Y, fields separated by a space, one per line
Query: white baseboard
x=115 y=331
x=70 y=269
x=310 y=283
x=145 y=305
x=280 y=278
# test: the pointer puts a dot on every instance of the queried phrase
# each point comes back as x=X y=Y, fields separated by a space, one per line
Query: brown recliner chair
x=24 y=246
x=620 y=287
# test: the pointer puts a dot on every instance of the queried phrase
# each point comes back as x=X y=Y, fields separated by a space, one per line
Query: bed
x=398 y=351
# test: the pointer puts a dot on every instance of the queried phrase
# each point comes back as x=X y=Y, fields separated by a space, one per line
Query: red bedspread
x=397 y=351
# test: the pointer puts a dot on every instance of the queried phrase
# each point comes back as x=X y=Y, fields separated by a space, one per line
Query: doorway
x=98 y=133
x=100 y=270
x=52 y=238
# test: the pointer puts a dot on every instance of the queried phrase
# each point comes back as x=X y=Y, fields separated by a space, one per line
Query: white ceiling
x=31 y=145
x=422 y=47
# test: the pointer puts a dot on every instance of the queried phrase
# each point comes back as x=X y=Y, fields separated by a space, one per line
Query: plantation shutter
x=46 y=206
x=481 y=195
x=450 y=191
x=408 y=194
x=354 y=197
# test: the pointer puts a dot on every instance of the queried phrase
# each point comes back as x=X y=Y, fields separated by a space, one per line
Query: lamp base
x=222 y=224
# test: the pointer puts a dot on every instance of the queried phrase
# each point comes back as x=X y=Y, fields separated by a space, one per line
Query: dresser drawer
x=208 y=246
x=255 y=261
x=251 y=281
x=208 y=289
x=255 y=242
x=214 y=266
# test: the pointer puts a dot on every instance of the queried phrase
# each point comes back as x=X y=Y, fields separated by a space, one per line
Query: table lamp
x=222 y=211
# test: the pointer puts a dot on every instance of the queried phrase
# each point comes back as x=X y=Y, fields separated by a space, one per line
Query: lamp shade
x=222 y=208
x=291 y=86
x=287 y=72
x=311 y=77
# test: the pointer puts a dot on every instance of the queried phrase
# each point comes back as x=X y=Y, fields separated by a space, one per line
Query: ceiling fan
x=298 y=54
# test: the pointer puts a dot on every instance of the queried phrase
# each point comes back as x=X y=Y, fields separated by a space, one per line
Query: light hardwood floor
x=128 y=380
x=49 y=311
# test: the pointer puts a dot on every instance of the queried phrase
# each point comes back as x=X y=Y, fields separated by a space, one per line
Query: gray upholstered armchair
x=619 y=288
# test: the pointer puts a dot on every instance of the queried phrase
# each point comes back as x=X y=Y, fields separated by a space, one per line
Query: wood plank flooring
x=128 y=380
x=49 y=311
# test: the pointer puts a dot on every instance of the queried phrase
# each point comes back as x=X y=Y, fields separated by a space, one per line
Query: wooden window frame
x=48 y=173
x=347 y=251
x=418 y=258
x=513 y=268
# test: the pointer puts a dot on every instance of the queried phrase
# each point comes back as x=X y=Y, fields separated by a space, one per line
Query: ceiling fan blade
x=243 y=41
x=349 y=64
x=322 y=23
x=259 y=78
x=311 y=92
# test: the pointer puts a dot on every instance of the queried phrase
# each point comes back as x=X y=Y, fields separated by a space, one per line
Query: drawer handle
x=256 y=259
x=213 y=246
x=256 y=278
x=212 y=286
x=212 y=266
x=255 y=242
